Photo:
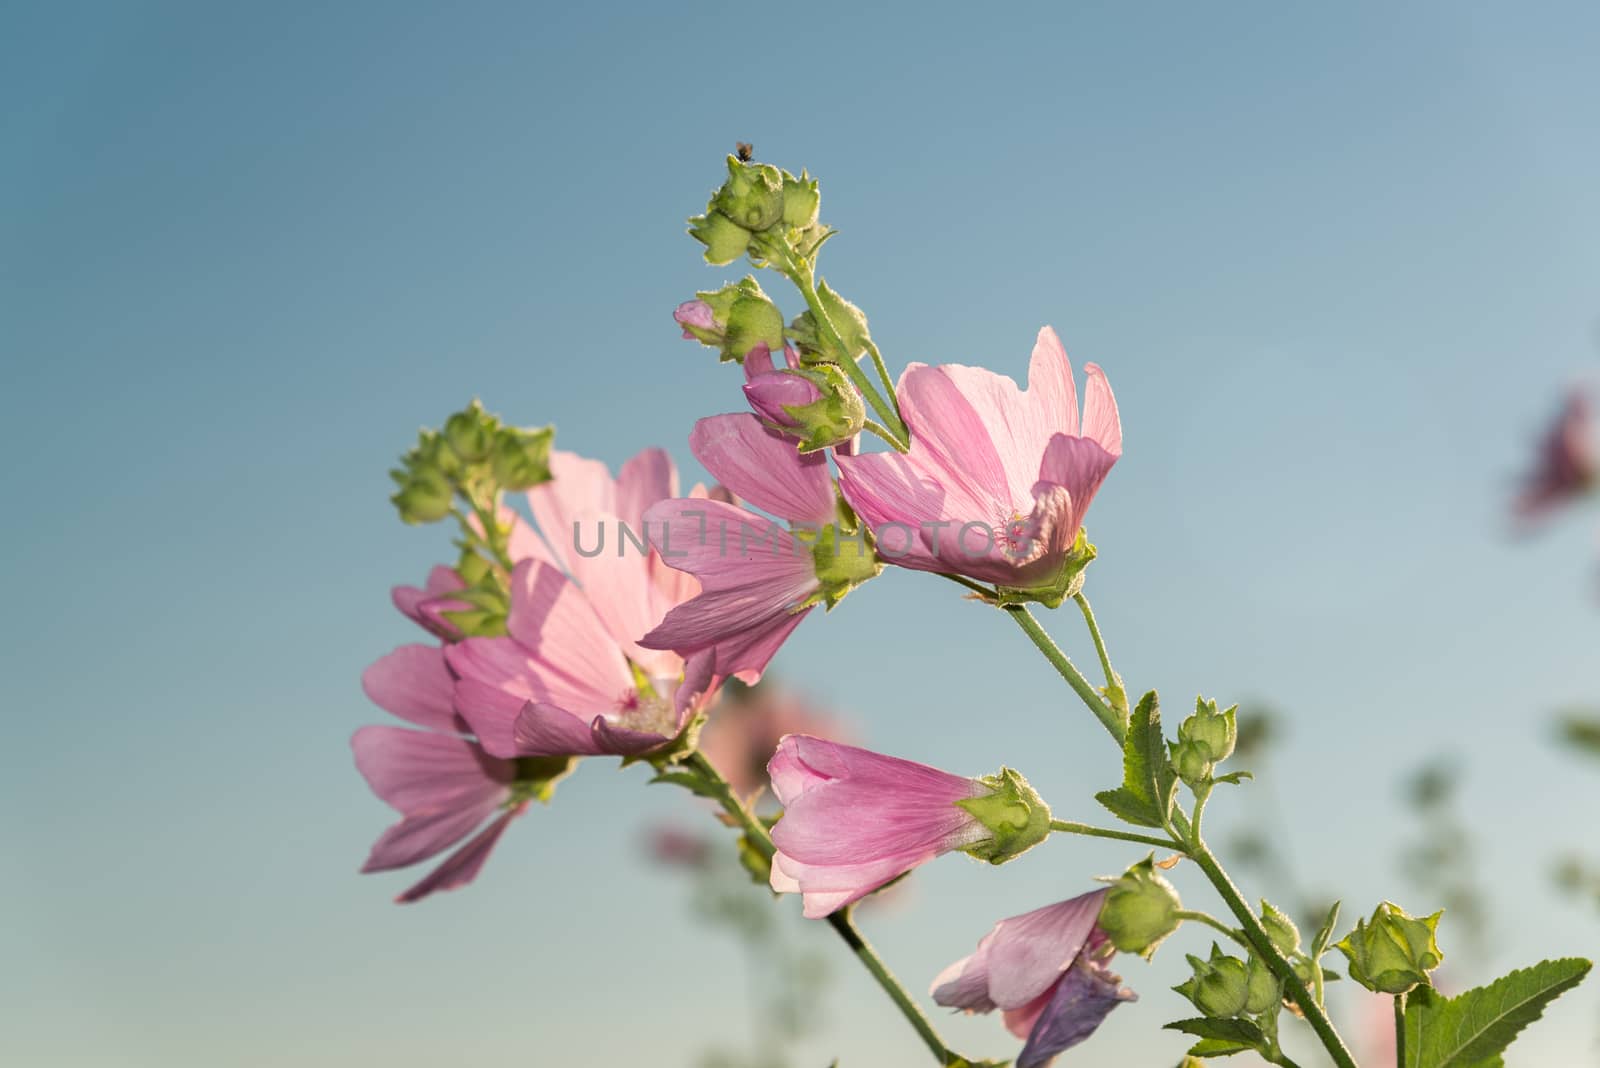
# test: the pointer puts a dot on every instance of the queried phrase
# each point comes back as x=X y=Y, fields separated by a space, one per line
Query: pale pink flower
x=1046 y=971
x=759 y=579
x=570 y=677
x=444 y=786
x=854 y=819
x=1567 y=465
x=425 y=606
x=998 y=480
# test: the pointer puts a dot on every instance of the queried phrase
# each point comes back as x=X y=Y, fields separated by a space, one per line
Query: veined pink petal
x=462 y=866
x=498 y=676
x=577 y=486
x=425 y=606
x=542 y=729
x=649 y=476
x=763 y=467
x=727 y=547
x=742 y=627
x=854 y=819
x=414 y=684
x=1100 y=419
x=443 y=786
x=556 y=624
x=1052 y=393
x=948 y=429
x=1024 y=955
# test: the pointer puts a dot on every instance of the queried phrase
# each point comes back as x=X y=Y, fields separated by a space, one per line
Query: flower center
x=647 y=713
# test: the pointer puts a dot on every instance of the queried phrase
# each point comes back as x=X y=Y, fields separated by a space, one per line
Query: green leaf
x=1149 y=784
x=1473 y=1029
x=1319 y=944
x=690 y=780
x=1221 y=1038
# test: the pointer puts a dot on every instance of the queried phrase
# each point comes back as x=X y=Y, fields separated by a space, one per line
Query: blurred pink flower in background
x=1046 y=971
x=1567 y=465
x=740 y=739
x=854 y=819
x=998 y=480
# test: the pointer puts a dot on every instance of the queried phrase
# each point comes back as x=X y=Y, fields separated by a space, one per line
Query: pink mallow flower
x=1567 y=465
x=570 y=677
x=1046 y=971
x=854 y=819
x=760 y=578
x=444 y=785
x=998 y=480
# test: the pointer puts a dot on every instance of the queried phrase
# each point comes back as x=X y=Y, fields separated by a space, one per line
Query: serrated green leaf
x=1149 y=784
x=1234 y=778
x=1473 y=1029
x=1223 y=1030
x=1217 y=1047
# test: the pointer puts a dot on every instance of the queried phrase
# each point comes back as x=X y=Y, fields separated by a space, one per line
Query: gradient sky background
x=1338 y=265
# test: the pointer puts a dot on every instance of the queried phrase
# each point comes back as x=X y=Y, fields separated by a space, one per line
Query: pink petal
x=1100 y=419
x=1052 y=394
x=553 y=620
x=498 y=676
x=462 y=866
x=577 y=486
x=726 y=546
x=545 y=730
x=443 y=786
x=1078 y=1004
x=763 y=467
x=1029 y=952
x=950 y=432
x=743 y=628
x=648 y=477
x=414 y=683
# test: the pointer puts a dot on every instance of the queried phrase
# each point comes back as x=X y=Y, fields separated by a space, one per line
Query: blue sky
x=1338 y=264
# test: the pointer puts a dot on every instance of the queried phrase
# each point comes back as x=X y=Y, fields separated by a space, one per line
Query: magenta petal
x=1080 y=1003
x=621 y=741
x=772 y=394
x=462 y=866
x=763 y=467
x=414 y=683
x=545 y=730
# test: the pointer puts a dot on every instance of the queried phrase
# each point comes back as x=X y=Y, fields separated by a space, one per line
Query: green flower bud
x=752 y=320
x=1140 y=909
x=1262 y=989
x=724 y=239
x=1013 y=812
x=801 y=199
x=1220 y=986
x=520 y=457
x=818 y=404
x=752 y=196
x=425 y=495
x=848 y=322
x=470 y=433
x=1213 y=732
x=1392 y=952
x=1281 y=930
x=1191 y=761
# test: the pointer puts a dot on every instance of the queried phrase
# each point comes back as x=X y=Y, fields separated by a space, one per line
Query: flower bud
x=520 y=457
x=801 y=199
x=1014 y=813
x=1220 y=986
x=819 y=405
x=1392 y=952
x=1140 y=910
x=1262 y=989
x=752 y=196
x=1213 y=733
x=425 y=495
x=1191 y=761
x=847 y=321
x=470 y=433
x=724 y=239
x=1281 y=930
x=733 y=319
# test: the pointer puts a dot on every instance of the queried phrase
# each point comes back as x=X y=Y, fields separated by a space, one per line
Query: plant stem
x=1215 y=924
x=879 y=429
x=1113 y=680
x=1121 y=836
x=756 y=832
x=1399 y=1031
x=883 y=376
x=802 y=276
x=1263 y=948
x=983 y=591
x=1097 y=704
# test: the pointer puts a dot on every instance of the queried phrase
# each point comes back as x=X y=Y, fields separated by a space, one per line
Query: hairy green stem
x=1107 y=715
x=802 y=276
x=1215 y=924
x=1085 y=829
x=842 y=923
x=1263 y=948
x=1399 y=1031
x=1113 y=680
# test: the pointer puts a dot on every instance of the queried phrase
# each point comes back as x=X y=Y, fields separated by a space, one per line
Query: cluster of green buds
x=1393 y=952
x=1205 y=740
x=1015 y=814
x=1224 y=986
x=1140 y=910
x=763 y=212
x=472 y=457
